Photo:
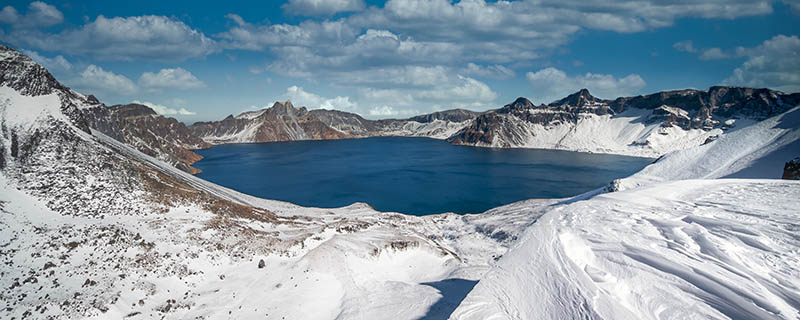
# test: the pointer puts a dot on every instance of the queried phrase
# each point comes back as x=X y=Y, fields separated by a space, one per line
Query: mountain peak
x=576 y=99
x=21 y=73
x=285 y=108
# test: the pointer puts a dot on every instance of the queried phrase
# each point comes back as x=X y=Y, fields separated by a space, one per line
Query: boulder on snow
x=261 y=264
x=791 y=171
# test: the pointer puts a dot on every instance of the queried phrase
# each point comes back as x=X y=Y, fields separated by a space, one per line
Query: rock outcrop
x=649 y=125
x=161 y=137
x=791 y=171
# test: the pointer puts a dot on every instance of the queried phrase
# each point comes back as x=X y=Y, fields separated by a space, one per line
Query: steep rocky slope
x=281 y=122
x=160 y=137
x=650 y=125
x=284 y=122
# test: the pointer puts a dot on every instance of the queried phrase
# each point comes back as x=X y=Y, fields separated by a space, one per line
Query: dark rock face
x=284 y=122
x=718 y=101
x=686 y=109
x=163 y=138
x=281 y=122
x=27 y=77
x=791 y=171
x=455 y=115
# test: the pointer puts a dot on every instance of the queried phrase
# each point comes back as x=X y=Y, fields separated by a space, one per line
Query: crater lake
x=407 y=174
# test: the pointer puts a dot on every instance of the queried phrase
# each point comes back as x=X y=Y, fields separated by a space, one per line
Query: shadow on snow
x=453 y=292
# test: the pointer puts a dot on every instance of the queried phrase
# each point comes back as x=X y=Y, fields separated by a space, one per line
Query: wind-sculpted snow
x=678 y=250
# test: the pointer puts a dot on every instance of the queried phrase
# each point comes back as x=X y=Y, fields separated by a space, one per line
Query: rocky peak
x=519 y=104
x=455 y=115
x=577 y=99
x=24 y=75
x=285 y=108
x=133 y=110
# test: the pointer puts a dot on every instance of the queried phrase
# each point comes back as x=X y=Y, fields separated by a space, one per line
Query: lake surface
x=409 y=175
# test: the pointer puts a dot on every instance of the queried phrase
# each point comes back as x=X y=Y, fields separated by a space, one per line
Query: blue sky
x=203 y=60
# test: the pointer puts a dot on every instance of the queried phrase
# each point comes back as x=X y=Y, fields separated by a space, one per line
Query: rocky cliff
x=649 y=125
x=281 y=122
x=163 y=138
x=284 y=122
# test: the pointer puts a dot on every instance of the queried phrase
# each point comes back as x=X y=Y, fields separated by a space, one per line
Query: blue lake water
x=409 y=175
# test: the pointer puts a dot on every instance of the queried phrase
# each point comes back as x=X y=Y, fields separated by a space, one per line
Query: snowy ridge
x=625 y=133
x=673 y=250
x=754 y=151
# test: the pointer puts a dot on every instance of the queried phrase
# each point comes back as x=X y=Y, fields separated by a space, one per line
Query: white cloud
x=164 y=110
x=775 y=63
x=122 y=39
x=452 y=92
x=176 y=78
x=551 y=84
x=489 y=35
x=94 y=78
x=685 y=46
x=491 y=71
x=714 y=54
x=300 y=97
x=322 y=7
x=387 y=111
x=794 y=4
x=39 y=14
x=55 y=64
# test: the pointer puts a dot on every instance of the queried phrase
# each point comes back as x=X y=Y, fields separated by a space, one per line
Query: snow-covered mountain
x=284 y=122
x=92 y=227
x=650 y=125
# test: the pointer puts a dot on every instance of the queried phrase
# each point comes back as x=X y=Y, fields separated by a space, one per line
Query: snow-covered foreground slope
x=694 y=249
x=190 y=263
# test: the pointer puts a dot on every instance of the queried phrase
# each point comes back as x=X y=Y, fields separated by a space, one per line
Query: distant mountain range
x=649 y=126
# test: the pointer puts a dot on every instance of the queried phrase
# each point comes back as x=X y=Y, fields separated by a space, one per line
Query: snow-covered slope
x=759 y=150
x=693 y=249
x=648 y=126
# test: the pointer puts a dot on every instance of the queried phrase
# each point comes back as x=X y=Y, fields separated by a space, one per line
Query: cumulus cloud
x=39 y=14
x=714 y=54
x=685 y=46
x=775 y=63
x=488 y=35
x=387 y=111
x=300 y=97
x=453 y=92
x=490 y=71
x=55 y=64
x=551 y=84
x=177 y=78
x=322 y=7
x=144 y=37
x=794 y=4
x=164 y=110
x=94 y=78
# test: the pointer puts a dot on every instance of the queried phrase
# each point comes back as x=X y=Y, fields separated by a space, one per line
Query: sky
x=204 y=60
